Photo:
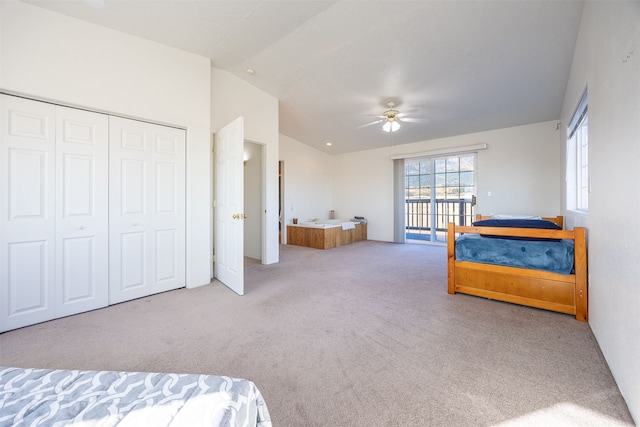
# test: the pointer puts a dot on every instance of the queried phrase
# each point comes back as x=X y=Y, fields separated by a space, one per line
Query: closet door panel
x=29 y=284
x=168 y=237
x=29 y=119
x=78 y=176
x=129 y=242
x=132 y=261
x=147 y=209
x=78 y=270
x=169 y=207
x=27 y=212
x=28 y=184
x=133 y=181
x=82 y=237
x=166 y=191
x=166 y=256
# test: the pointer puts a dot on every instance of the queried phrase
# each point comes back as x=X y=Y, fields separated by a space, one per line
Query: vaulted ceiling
x=456 y=66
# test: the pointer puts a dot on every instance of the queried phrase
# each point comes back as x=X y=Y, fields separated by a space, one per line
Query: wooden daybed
x=534 y=288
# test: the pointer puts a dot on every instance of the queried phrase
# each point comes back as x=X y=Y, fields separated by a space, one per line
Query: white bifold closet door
x=82 y=204
x=53 y=216
x=146 y=209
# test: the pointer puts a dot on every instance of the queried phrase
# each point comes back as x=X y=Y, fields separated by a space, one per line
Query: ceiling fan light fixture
x=391 y=126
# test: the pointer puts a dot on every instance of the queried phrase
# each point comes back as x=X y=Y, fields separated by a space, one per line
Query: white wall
x=307 y=183
x=61 y=59
x=521 y=168
x=609 y=32
x=363 y=186
x=232 y=98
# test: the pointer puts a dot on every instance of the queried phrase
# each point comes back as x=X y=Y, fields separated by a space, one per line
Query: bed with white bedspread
x=37 y=397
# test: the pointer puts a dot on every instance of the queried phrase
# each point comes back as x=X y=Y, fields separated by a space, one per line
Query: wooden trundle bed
x=564 y=293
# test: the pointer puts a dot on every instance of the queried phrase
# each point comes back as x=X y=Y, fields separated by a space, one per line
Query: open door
x=229 y=206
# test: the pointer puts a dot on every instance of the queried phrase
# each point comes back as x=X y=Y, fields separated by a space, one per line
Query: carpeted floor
x=360 y=335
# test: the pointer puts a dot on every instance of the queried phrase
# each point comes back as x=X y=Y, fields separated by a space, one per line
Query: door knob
x=235 y=216
x=245 y=216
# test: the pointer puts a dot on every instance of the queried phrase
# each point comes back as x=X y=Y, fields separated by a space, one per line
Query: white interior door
x=146 y=209
x=27 y=218
x=229 y=202
x=82 y=188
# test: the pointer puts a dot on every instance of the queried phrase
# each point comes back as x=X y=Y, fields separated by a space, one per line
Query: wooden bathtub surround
x=324 y=238
x=533 y=288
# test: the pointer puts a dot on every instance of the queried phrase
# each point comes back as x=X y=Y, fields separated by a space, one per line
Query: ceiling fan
x=392 y=118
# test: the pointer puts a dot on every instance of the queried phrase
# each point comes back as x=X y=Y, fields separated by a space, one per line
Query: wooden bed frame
x=533 y=288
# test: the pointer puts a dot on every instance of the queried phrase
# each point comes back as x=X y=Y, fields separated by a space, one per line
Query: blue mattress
x=555 y=256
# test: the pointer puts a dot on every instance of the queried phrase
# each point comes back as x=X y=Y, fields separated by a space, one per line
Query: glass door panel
x=438 y=191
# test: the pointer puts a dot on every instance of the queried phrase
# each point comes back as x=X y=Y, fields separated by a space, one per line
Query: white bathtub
x=323 y=223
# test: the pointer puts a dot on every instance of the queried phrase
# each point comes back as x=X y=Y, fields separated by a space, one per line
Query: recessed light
x=328 y=143
x=251 y=71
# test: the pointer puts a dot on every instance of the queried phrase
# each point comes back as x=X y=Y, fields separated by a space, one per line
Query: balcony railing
x=419 y=218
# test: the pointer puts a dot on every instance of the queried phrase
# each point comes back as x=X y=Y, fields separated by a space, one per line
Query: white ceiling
x=461 y=66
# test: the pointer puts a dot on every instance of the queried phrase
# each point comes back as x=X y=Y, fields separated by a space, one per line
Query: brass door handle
x=235 y=216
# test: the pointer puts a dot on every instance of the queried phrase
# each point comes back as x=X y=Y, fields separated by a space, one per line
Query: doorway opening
x=253 y=200
x=281 y=238
x=253 y=239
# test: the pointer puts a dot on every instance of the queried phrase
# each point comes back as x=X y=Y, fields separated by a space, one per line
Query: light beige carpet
x=360 y=335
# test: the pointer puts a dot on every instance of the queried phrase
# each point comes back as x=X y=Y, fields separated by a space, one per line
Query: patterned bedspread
x=42 y=397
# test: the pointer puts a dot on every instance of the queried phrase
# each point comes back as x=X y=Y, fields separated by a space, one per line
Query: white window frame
x=577 y=178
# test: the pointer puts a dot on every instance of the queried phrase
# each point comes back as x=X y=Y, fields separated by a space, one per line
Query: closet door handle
x=134 y=224
x=80 y=227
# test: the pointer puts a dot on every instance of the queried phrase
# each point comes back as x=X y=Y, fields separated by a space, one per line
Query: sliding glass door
x=438 y=191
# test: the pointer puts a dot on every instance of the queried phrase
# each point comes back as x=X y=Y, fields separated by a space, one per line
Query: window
x=438 y=191
x=578 y=159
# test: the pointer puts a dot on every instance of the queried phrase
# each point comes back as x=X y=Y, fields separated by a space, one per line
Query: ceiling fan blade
x=415 y=110
x=412 y=120
x=369 y=124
